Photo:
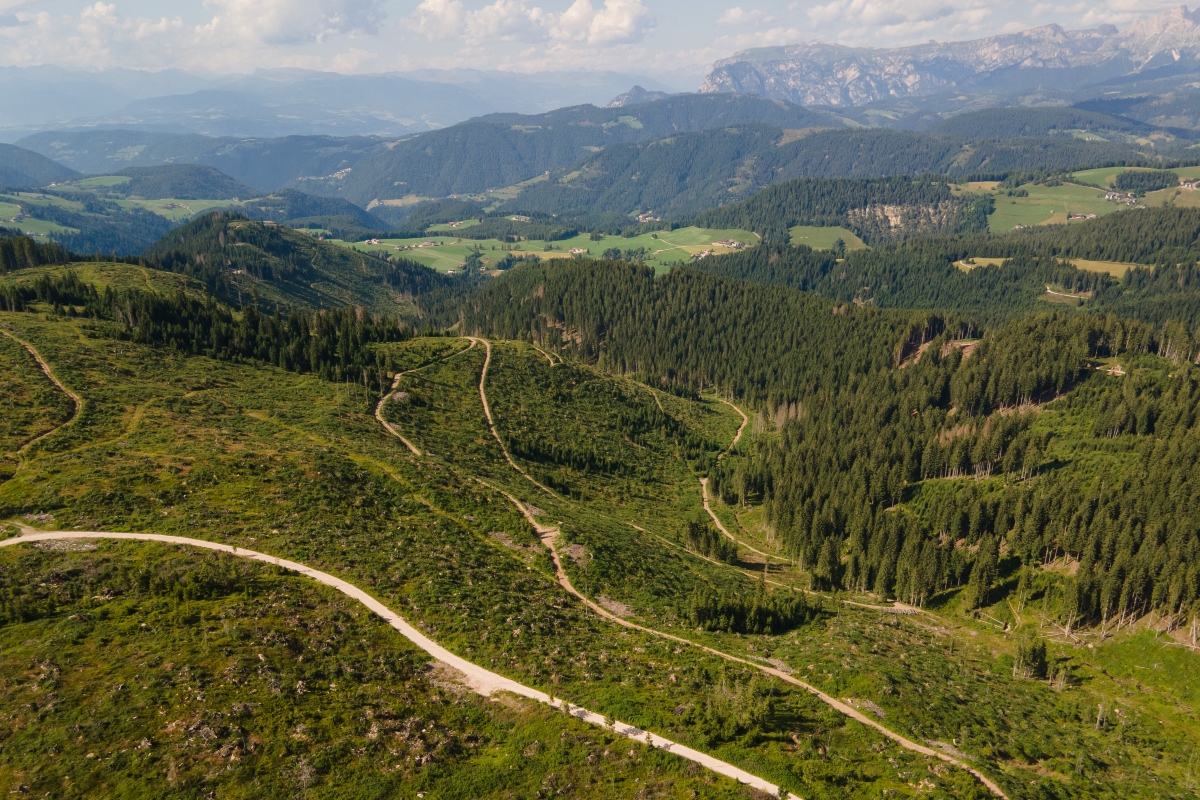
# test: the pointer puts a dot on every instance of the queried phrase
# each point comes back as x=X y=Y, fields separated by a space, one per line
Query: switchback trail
x=479 y=679
x=487 y=410
x=76 y=400
x=547 y=534
x=396 y=385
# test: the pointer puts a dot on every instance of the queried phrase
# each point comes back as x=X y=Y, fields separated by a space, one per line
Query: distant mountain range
x=1047 y=62
x=286 y=102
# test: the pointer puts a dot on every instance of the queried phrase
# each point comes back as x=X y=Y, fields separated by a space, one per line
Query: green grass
x=823 y=238
x=1047 y=205
x=664 y=249
x=177 y=210
x=32 y=405
x=145 y=670
x=290 y=465
x=99 y=182
x=120 y=277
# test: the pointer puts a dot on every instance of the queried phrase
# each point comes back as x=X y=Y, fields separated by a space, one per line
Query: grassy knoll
x=102 y=275
x=661 y=249
x=823 y=238
x=177 y=210
x=145 y=670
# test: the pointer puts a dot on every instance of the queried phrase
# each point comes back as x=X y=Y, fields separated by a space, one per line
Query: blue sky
x=675 y=40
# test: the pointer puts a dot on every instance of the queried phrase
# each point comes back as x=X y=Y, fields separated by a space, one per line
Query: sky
x=675 y=41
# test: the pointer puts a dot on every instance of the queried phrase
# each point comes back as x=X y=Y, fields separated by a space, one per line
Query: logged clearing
x=823 y=238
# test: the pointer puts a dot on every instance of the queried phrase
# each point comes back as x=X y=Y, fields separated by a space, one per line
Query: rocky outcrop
x=817 y=73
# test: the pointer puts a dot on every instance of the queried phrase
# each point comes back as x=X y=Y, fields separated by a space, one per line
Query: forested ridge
x=873 y=407
x=219 y=246
x=925 y=272
x=877 y=210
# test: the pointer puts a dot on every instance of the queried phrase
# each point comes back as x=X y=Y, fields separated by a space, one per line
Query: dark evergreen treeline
x=686 y=328
x=18 y=251
x=1140 y=182
x=215 y=247
x=335 y=345
x=762 y=612
x=833 y=478
x=926 y=272
x=878 y=210
x=60 y=292
x=706 y=540
x=507 y=229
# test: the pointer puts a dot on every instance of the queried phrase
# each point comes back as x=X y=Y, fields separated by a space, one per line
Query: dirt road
x=487 y=410
x=479 y=679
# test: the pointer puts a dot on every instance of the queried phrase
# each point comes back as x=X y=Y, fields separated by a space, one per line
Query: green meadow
x=660 y=249
x=823 y=238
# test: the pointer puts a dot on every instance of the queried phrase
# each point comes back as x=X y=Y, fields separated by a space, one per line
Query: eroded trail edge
x=480 y=680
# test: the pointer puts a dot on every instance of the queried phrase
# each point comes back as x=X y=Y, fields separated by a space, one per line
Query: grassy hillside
x=149 y=669
x=1030 y=496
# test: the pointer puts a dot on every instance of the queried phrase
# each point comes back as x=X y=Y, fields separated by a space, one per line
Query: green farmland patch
x=823 y=238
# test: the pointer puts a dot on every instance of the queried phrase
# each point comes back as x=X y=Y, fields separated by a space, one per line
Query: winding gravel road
x=479 y=679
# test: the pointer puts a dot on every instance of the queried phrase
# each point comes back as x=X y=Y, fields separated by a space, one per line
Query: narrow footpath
x=396 y=386
x=76 y=400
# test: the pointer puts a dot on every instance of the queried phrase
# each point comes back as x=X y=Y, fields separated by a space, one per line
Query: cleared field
x=823 y=238
x=660 y=250
x=1179 y=198
x=968 y=264
x=99 y=182
x=468 y=223
x=1047 y=205
x=1104 y=176
x=1114 y=268
x=177 y=210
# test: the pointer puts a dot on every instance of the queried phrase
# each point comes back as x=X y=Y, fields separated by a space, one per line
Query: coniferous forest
x=913 y=514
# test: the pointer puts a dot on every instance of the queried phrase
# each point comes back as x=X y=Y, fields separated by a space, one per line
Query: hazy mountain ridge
x=818 y=73
x=22 y=168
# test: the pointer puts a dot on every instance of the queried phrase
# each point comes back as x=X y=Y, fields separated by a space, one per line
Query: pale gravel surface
x=479 y=679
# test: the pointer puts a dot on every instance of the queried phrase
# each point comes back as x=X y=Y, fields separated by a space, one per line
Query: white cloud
x=739 y=16
x=890 y=22
x=616 y=22
x=293 y=21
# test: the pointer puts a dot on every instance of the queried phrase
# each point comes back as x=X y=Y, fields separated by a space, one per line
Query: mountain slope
x=265 y=164
x=26 y=169
x=817 y=73
x=682 y=175
x=504 y=149
x=183 y=182
x=238 y=258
